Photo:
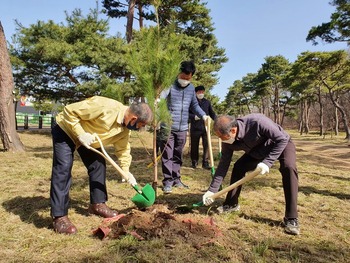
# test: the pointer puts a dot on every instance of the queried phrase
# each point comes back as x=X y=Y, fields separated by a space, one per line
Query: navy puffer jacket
x=180 y=101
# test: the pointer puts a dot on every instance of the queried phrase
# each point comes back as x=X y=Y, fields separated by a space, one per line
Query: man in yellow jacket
x=75 y=129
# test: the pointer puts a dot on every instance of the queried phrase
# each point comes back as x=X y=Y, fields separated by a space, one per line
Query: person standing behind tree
x=181 y=97
x=198 y=130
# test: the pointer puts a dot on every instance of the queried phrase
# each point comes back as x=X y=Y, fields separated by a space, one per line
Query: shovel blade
x=145 y=199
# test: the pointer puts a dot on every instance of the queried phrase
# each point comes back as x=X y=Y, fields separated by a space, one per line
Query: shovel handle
x=210 y=148
x=249 y=176
x=105 y=155
x=220 y=148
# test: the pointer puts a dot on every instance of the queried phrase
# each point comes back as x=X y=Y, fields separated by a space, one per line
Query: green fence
x=27 y=121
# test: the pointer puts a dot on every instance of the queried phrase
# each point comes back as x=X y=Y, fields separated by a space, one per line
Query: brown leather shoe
x=102 y=209
x=63 y=225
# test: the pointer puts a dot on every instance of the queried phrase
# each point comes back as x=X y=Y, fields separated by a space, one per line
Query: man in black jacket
x=198 y=129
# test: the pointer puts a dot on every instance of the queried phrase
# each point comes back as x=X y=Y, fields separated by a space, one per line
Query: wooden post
x=40 y=122
x=26 y=122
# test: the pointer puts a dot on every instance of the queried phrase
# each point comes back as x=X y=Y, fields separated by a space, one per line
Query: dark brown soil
x=159 y=222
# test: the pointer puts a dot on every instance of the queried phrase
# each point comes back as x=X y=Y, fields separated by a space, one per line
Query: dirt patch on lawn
x=159 y=222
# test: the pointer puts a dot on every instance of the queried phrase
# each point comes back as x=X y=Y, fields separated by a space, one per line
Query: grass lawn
x=255 y=234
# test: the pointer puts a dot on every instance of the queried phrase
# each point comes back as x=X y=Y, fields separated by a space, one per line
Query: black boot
x=206 y=165
x=194 y=164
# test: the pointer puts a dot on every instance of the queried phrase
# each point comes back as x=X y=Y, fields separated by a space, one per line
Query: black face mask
x=132 y=127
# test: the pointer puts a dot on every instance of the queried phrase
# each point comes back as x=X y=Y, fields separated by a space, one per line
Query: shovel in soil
x=249 y=176
x=145 y=197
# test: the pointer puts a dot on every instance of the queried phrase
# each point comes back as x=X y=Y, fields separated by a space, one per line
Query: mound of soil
x=159 y=222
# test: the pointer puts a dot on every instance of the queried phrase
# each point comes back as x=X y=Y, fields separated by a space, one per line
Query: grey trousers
x=172 y=157
x=288 y=171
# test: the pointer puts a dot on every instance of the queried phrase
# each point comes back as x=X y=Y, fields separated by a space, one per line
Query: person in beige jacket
x=74 y=130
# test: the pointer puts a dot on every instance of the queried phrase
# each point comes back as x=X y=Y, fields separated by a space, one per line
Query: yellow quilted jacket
x=102 y=116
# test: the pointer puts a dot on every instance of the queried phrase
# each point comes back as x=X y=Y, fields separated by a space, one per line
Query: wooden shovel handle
x=249 y=176
x=210 y=149
x=105 y=155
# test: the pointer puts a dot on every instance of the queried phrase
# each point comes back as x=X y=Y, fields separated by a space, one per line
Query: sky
x=248 y=30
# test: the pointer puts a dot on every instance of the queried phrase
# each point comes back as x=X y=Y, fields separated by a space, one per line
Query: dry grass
x=252 y=235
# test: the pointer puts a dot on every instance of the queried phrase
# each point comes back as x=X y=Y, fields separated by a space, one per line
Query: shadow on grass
x=325 y=175
x=307 y=190
x=29 y=208
x=258 y=219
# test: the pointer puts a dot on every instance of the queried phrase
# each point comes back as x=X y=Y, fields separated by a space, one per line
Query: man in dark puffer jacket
x=181 y=97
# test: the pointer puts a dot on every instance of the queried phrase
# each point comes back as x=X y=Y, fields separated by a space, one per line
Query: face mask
x=229 y=141
x=183 y=82
x=132 y=127
x=200 y=96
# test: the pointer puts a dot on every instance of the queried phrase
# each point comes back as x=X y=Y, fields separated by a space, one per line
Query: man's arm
x=222 y=169
x=211 y=111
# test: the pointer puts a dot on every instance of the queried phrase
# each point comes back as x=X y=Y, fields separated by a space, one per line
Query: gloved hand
x=196 y=118
x=86 y=139
x=207 y=198
x=264 y=168
x=131 y=179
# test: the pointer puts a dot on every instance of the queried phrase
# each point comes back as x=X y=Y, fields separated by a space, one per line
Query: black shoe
x=206 y=165
x=194 y=164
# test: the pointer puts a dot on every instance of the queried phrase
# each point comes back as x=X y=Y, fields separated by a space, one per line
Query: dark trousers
x=288 y=171
x=195 y=137
x=61 y=177
x=172 y=157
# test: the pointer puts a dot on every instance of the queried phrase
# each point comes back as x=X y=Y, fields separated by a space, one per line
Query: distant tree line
x=67 y=62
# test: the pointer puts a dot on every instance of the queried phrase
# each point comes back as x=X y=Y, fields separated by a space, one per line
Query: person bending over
x=75 y=129
x=263 y=142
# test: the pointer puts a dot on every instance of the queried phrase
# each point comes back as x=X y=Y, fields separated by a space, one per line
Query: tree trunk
x=140 y=16
x=307 y=116
x=319 y=95
x=301 y=117
x=344 y=116
x=336 y=122
x=130 y=20
x=8 y=133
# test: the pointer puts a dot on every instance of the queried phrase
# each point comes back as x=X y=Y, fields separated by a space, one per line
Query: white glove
x=207 y=198
x=131 y=179
x=264 y=168
x=196 y=118
x=86 y=139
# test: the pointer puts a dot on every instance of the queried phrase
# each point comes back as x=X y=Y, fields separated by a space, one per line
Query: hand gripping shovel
x=249 y=176
x=145 y=197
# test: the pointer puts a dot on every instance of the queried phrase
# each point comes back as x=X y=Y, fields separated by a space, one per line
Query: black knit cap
x=199 y=88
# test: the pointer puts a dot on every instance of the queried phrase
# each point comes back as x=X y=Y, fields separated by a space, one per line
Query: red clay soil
x=158 y=222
